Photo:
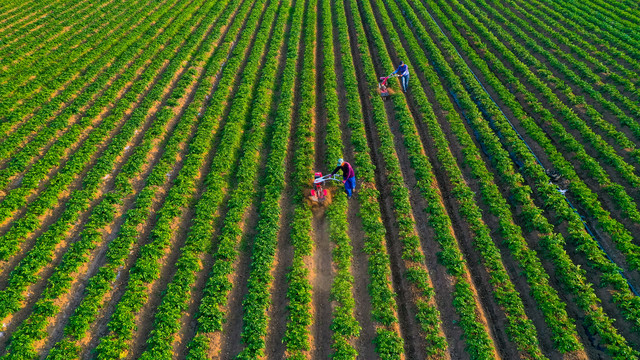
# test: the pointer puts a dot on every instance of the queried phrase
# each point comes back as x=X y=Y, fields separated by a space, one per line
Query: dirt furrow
x=320 y=263
x=360 y=271
x=275 y=349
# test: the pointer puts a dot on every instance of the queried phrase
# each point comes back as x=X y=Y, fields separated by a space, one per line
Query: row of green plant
x=170 y=311
x=383 y=305
x=257 y=301
x=14 y=15
x=48 y=198
x=622 y=13
x=147 y=266
x=571 y=276
x=603 y=148
x=53 y=108
x=29 y=91
x=25 y=119
x=61 y=281
x=11 y=18
x=610 y=21
x=584 y=80
x=40 y=255
x=605 y=64
x=629 y=304
x=50 y=113
x=120 y=248
x=521 y=330
x=585 y=196
x=595 y=45
x=17 y=16
x=344 y=326
x=299 y=319
x=12 y=8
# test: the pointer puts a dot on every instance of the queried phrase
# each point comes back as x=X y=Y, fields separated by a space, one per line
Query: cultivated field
x=155 y=157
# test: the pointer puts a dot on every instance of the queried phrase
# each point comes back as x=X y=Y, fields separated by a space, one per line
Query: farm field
x=156 y=160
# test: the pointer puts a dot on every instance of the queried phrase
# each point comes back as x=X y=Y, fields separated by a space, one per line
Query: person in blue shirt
x=403 y=71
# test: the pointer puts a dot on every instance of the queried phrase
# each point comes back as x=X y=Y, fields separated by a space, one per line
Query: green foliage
x=571 y=275
x=59 y=283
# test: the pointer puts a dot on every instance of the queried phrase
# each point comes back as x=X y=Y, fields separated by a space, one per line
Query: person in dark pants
x=403 y=71
x=348 y=177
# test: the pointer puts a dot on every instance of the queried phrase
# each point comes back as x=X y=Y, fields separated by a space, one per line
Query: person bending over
x=348 y=177
x=403 y=71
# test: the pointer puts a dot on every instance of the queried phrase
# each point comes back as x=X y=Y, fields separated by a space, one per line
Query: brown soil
x=321 y=274
x=230 y=344
x=320 y=263
x=277 y=313
x=359 y=268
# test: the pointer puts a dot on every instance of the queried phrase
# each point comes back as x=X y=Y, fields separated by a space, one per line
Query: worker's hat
x=340 y=161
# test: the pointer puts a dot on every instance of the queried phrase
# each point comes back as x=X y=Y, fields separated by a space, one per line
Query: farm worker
x=403 y=71
x=348 y=177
